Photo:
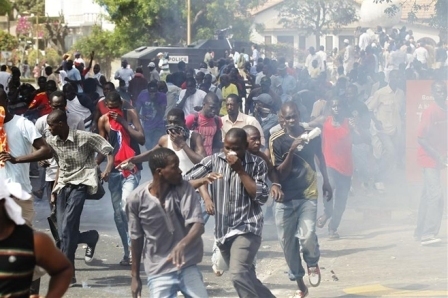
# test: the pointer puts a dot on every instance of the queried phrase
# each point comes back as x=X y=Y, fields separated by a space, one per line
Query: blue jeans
x=120 y=188
x=363 y=162
x=430 y=211
x=336 y=206
x=187 y=280
x=296 y=227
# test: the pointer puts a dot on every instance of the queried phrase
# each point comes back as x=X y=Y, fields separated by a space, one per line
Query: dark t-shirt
x=178 y=78
x=301 y=182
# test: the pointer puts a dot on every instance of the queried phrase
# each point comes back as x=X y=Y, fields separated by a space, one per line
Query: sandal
x=300 y=294
x=125 y=262
x=321 y=221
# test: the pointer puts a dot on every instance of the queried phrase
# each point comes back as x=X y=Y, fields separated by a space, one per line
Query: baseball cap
x=151 y=64
x=264 y=98
x=159 y=54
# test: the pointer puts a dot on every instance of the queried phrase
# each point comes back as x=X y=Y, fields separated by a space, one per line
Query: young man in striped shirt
x=237 y=199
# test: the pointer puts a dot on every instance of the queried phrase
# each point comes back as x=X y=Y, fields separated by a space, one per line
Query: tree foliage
x=5 y=7
x=437 y=20
x=30 y=6
x=104 y=43
x=317 y=17
x=143 y=22
x=8 y=42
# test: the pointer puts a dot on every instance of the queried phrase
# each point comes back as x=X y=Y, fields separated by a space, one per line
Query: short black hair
x=237 y=133
x=176 y=112
x=190 y=81
x=3 y=67
x=211 y=97
x=57 y=94
x=152 y=84
x=57 y=116
x=113 y=96
x=158 y=158
x=234 y=97
x=139 y=70
x=250 y=128
x=169 y=78
x=110 y=84
x=48 y=70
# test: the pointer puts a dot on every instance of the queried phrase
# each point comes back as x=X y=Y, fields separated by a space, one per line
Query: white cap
x=8 y=190
x=346 y=41
x=151 y=64
x=159 y=54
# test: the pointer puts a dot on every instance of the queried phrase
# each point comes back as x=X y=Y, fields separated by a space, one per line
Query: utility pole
x=188 y=22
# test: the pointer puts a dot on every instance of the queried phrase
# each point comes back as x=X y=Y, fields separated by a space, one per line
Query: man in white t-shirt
x=310 y=58
x=323 y=57
x=21 y=136
x=79 y=105
x=125 y=73
x=190 y=99
x=4 y=77
x=73 y=75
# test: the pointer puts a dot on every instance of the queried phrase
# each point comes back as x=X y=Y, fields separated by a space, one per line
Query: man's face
x=173 y=120
x=335 y=107
x=254 y=142
x=439 y=93
x=200 y=77
x=236 y=145
x=265 y=86
x=191 y=88
x=107 y=88
x=152 y=92
x=225 y=81
x=69 y=64
x=210 y=109
x=291 y=117
x=113 y=106
x=172 y=173
x=54 y=127
x=232 y=107
x=50 y=88
x=69 y=93
x=96 y=69
x=42 y=83
x=58 y=103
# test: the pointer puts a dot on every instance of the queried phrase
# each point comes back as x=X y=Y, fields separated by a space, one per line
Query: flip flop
x=300 y=294
x=321 y=221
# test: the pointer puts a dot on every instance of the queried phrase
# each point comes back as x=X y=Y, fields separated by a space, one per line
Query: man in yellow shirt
x=227 y=88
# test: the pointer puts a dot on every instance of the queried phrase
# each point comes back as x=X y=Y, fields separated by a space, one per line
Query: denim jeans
x=296 y=227
x=70 y=202
x=187 y=280
x=336 y=206
x=152 y=137
x=239 y=254
x=430 y=211
x=120 y=188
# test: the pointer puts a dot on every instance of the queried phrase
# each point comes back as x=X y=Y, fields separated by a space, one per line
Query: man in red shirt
x=207 y=124
x=432 y=156
x=337 y=132
x=41 y=102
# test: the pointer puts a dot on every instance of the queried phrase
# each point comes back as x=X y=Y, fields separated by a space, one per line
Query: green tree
x=104 y=43
x=5 y=7
x=317 y=17
x=143 y=22
x=438 y=20
x=8 y=42
x=30 y=6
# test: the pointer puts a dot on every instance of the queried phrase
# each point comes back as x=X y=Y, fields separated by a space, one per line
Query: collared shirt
x=76 y=158
x=163 y=229
x=236 y=212
x=241 y=121
x=266 y=124
x=387 y=106
x=74 y=122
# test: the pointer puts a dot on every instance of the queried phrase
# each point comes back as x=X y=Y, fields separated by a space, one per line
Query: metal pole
x=37 y=40
x=188 y=22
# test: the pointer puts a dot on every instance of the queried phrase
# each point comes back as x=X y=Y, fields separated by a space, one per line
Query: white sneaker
x=429 y=241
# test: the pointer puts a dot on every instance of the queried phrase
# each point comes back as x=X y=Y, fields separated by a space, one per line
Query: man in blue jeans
x=165 y=225
x=295 y=217
x=432 y=156
x=122 y=128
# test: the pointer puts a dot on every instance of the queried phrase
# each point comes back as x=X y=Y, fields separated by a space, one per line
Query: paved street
x=375 y=257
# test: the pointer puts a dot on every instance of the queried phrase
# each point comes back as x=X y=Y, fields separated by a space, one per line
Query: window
x=329 y=43
x=286 y=39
